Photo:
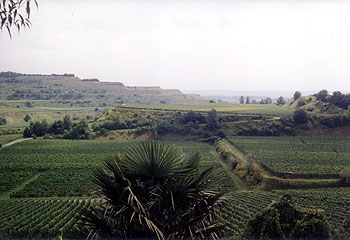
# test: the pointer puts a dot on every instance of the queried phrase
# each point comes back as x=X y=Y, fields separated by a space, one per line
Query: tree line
x=60 y=129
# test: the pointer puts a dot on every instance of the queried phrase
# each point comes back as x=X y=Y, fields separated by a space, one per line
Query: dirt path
x=16 y=141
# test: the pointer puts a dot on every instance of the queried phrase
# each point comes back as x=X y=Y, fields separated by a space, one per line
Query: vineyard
x=48 y=218
x=44 y=182
x=61 y=168
x=306 y=157
x=58 y=172
x=245 y=205
x=8 y=138
x=38 y=218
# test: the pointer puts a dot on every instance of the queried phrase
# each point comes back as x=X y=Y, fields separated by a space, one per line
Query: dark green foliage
x=39 y=129
x=27 y=133
x=56 y=128
x=192 y=117
x=340 y=100
x=322 y=95
x=154 y=191
x=59 y=129
x=67 y=123
x=267 y=100
x=241 y=100
x=79 y=131
x=213 y=121
x=300 y=116
x=284 y=220
x=297 y=95
x=280 y=101
x=27 y=118
x=3 y=121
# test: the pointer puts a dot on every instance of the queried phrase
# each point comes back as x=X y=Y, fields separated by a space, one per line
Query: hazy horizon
x=192 y=46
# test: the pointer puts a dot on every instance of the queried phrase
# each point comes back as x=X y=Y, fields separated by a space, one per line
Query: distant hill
x=321 y=102
x=69 y=88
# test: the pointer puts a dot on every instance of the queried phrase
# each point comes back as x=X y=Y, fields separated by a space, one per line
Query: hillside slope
x=71 y=89
x=311 y=104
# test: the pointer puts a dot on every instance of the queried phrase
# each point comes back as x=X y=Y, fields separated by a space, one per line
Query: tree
x=321 y=95
x=38 y=128
x=153 y=191
x=3 y=121
x=241 y=100
x=285 y=220
x=300 y=116
x=67 y=123
x=213 y=121
x=280 y=101
x=15 y=13
x=27 y=133
x=247 y=100
x=297 y=95
x=27 y=118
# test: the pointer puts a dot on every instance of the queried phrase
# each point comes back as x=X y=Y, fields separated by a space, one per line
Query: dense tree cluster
x=61 y=129
x=337 y=98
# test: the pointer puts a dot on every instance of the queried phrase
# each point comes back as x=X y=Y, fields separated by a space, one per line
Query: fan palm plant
x=153 y=191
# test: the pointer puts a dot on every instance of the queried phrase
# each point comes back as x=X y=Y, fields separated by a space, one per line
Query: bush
x=300 y=116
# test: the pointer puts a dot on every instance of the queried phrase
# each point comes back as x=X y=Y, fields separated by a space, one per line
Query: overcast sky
x=221 y=45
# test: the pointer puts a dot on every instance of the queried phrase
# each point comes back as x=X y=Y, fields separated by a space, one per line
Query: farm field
x=335 y=202
x=44 y=182
x=306 y=157
x=8 y=138
x=62 y=168
x=47 y=218
x=14 y=111
x=222 y=107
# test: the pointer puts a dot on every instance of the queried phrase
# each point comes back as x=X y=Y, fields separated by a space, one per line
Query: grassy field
x=15 y=111
x=222 y=107
x=306 y=157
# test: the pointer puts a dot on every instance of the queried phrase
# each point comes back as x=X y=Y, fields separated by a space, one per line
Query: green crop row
x=38 y=218
x=63 y=167
x=245 y=205
x=307 y=157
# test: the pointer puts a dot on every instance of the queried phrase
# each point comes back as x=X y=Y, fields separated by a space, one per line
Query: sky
x=190 y=45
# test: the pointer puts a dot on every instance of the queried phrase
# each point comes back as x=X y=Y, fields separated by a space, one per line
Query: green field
x=61 y=168
x=254 y=109
x=8 y=138
x=44 y=182
x=39 y=171
x=14 y=111
x=306 y=157
x=245 y=205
